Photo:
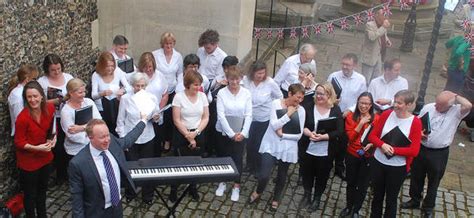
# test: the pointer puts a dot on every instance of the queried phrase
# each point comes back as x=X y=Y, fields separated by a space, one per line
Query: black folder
x=126 y=65
x=425 y=122
x=293 y=126
x=53 y=93
x=396 y=138
x=326 y=125
x=83 y=115
x=337 y=87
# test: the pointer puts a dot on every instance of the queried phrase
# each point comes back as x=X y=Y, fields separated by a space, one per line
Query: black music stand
x=172 y=209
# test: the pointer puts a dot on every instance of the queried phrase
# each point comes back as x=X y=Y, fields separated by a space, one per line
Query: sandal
x=254 y=197
x=274 y=206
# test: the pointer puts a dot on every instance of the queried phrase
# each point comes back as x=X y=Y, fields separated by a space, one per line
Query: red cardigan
x=28 y=131
x=353 y=136
x=409 y=152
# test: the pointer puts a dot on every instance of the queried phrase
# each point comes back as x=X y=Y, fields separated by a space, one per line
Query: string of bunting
x=344 y=23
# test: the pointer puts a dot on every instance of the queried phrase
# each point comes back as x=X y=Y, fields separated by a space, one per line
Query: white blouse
x=128 y=117
x=44 y=82
x=191 y=113
x=173 y=71
x=262 y=96
x=15 y=104
x=239 y=105
x=283 y=148
x=73 y=143
x=319 y=148
x=98 y=85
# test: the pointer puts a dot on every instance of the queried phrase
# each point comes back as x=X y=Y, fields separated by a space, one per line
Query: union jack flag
x=280 y=33
x=269 y=34
x=330 y=27
x=304 y=32
x=258 y=33
x=403 y=5
x=466 y=25
x=357 y=19
x=344 y=24
x=386 y=10
x=468 y=36
x=317 y=29
x=293 y=33
x=370 y=14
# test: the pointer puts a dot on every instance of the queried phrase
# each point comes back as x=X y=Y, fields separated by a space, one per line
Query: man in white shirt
x=444 y=117
x=352 y=82
x=384 y=87
x=288 y=72
x=211 y=55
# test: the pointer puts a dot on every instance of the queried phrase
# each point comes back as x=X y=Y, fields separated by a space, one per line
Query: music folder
x=83 y=115
x=396 y=138
x=235 y=123
x=293 y=126
x=53 y=93
x=337 y=87
x=326 y=125
x=126 y=65
x=425 y=122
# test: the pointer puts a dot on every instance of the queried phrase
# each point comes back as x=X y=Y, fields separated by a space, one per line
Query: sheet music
x=144 y=102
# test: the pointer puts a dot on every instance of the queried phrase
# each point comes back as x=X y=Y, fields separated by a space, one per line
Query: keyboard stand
x=172 y=209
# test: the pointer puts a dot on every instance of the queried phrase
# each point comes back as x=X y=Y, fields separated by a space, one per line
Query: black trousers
x=211 y=133
x=429 y=163
x=227 y=147
x=315 y=173
x=386 y=182
x=358 y=177
x=168 y=124
x=35 y=185
x=134 y=153
x=113 y=211
x=61 y=158
x=265 y=171
x=256 y=132
x=338 y=154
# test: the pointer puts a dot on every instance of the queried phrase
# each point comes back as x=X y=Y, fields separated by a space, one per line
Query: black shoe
x=428 y=214
x=173 y=196
x=305 y=201
x=194 y=195
x=315 y=204
x=341 y=175
x=128 y=199
x=411 y=204
x=148 y=202
x=345 y=212
x=355 y=215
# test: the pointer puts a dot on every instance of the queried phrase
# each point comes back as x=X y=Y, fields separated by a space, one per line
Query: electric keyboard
x=182 y=170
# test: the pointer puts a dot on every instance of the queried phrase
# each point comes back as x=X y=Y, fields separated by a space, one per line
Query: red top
x=354 y=137
x=409 y=152
x=28 y=131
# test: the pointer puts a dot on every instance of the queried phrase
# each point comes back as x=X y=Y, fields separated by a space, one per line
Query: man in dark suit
x=97 y=171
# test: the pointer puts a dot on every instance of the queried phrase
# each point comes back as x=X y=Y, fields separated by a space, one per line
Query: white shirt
x=319 y=148
x=190 y=113
x=381 y=89
x=239 y=105
x=128 y=117
x=351 y=86
x=172 y=71
x=99 y=164
x=44 y=82
x=124 y=58
x=15 y=104
x=98 y=85
x=443 y=125
x=286 y=147
x=392 y=122
x=73 y=143
x=262 y=96
x=288 y=72
x=211 y=64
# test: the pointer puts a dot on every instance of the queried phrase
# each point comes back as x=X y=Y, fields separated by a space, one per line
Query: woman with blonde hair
x=25 y=73
x=316 y=161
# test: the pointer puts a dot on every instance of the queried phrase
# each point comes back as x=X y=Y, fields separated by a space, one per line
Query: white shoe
x=235 y=194
x=220 y=189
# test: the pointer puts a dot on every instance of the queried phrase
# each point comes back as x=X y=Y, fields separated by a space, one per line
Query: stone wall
x=30 y=29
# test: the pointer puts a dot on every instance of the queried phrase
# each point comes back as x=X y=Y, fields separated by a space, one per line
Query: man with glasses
x=444 y=117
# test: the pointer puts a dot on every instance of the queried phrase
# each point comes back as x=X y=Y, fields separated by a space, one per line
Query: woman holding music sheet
x=190 y=116
x=26 y=73
x=279 y=144
x=318 y=143
x=170 y=63
x=131 y=105
x=54 y=85
x=264 y=90
x=392 y=161
x=33 y=142
x=76 y=137
x=359 y=153
x=234 y=116
x=109 y=83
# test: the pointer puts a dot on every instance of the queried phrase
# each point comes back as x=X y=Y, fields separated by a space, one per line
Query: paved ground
x=455 y=196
